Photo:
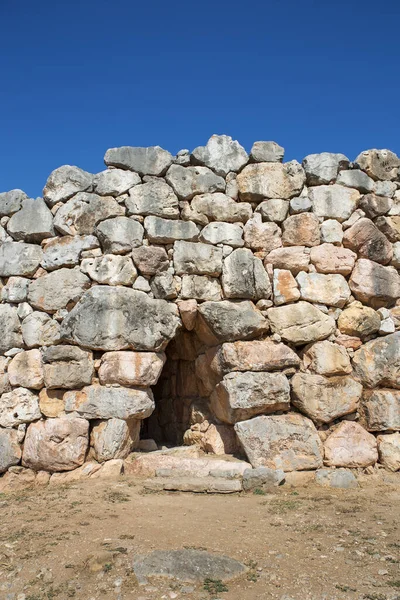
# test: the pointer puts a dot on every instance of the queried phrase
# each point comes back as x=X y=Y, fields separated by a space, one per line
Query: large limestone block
x=219 y=207
x=64 y=182
x=300 y=323
x=150 y=260
x=131 y=368
x=257 y=355
x=10 y=202
x=100 y=402
x=26 y=370
x=332 y=290
x=165 y=286
x=365 y=238
x=275 y=209
x=18 y=406
x=167 y=231
x=4 y=381
x=377 y=363
x=56 y=444
x=67 y=367
x=201 y=288
x=229 y=321
x=116 y=318
x=114 y=438
x=145 y=161
x=390 y=226
x=119 y=235
x=114 y=182
x=350 y=446
x=51 y=403
x=197 y=259
x=361 y=321
x=379 y=164
x=10 y=450
x=294 y=259
x=110 y=269
x=39 y=329
x=375 y=206
x=18 y=258
x=189 y=181
x=327 y=358
x=323 y=168
x=66 y=251
x=32 y=223
x=262 y=236
x=357 y=179
x=301 y=230
x=15 y=290
x=325 y=399
x=223 y=233
x=389 y=451
x=285 y=287
x=222 y=154
x=381 y=410
x=328 y=258
x=10 y=328
x=267 y=152
x=240 y=396
x=288 y=442
x=57 y=289
x=81 y=214
x=270 y=180
x=374 y=284
x=153 y=198
x=244 y=276
x=331 y=232
x=333 y=201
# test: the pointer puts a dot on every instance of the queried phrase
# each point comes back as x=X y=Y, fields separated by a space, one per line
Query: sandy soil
x=79 y=541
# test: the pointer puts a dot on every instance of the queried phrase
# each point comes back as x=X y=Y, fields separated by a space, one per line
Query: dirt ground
x=79 y=541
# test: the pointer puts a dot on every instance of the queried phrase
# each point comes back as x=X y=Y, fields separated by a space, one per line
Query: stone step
x=209 y=485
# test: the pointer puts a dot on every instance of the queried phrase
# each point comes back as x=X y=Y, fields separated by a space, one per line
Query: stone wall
x=262 y=296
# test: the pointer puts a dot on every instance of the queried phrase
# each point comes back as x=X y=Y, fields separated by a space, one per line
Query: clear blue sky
x=80 y=76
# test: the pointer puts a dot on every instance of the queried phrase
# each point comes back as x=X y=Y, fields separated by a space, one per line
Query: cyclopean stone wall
x=262 y=296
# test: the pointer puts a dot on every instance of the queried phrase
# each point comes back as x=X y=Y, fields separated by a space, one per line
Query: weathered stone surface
x=200 y=287
x=16 y=290
x=300 y=323
x=189 y=181
x=223 y=233
x=229 y=321
x=110 y=269
x=390 y=226
x=32 y=223
x=381 y=410
x=19 y=259
x=64 y=182
x=51 y=403
x=301 y=230
x=294 y=258
x=374 y=284
x=244 y=276
x=10 y=328
x=153 y=198
x=150 y=260
x=165 y=286
x=67 y=367
x=389 y=451
x=118 y=319
x=262 y=478
x=375 y=206
x=377 y=363
x=114 y=182
x=366 y=239
x=323 y=168
x=131 y=368
x=327 y=358
x=167 y=231
x=219 y=439
x=300 y=204
x=331 y=232
x=240 y=396
x=262 y=236
x=336 y=478
x=356 y=179
x=39 y=329
x=359 y=320
x=379 y=164
x=288 y=442
x=100 y=402
x=222 y=154
x=285 y=287
x=57 y=289
x=325 y=399
x=350 y=446
x=18 y=406
x=114 y=438
x=4 y=381
x=219 y=207
x=331 y=290
x=270 y=180
x=333 y=201
x=66 y=251
x=197 y=259
x=10 y=451
x=145 y=161
x=83 y=212
x=10 y=202
x=267 y=152
x=56 y=444
x=274 y=209
x=26 y=370
x=188 y=313
x=328 y=258
x=119 y=235
x=385 y=188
